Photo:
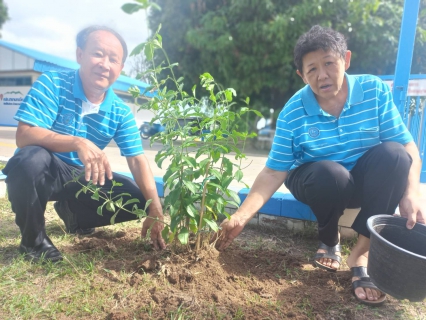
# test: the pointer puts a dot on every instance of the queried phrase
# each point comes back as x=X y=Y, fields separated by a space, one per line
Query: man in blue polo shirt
x=65 y=122
x=340 y=143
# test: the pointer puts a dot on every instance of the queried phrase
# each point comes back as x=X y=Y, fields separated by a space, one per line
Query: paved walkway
x=254 y=163
x=251 y=166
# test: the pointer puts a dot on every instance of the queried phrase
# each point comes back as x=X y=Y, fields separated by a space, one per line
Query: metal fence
x=413 y=114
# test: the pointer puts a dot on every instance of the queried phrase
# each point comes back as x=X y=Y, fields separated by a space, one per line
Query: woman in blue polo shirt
x=340 y=143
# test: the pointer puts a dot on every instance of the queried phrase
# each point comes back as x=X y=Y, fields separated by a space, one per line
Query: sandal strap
x=329 y=256
x=330 y=250
x=364 y=283
x=360 y=272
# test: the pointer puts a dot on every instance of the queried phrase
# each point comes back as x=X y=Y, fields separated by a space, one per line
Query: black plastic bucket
x=397 y=258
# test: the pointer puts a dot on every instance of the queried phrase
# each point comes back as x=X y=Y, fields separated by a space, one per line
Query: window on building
x=15 y=81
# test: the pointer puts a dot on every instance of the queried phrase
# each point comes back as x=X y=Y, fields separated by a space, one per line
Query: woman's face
x=324 y=71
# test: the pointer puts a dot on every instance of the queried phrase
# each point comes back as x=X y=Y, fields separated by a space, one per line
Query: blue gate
x=410 y=101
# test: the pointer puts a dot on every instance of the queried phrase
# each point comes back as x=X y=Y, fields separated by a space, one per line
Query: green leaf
x=257 y=113
x=116 y=184
x=216 y=156
x=212 y=224
x=174 y=195
x=238 y=175
x=131 y=7
x=156 y=43
x=191 y=210
x=118 y=202
x=134 y=200
x=191 y=186
x=139 y=213
x=234 y=196
x=219 y=208
x=227 y=215
x=149 y=51
x=193 y=226
x=190 y=161
x=155 y=6
x=216 y=173
x=183 y=235
x=216 y=186
x=137 y=50
x=99 y=210
x=159 y=37
x=95 y=196
x=124 y=194
x=165 y=233
x=78 y=193
x=147 y=203
x=112 y=220
x=110 y=206
x=233 y=203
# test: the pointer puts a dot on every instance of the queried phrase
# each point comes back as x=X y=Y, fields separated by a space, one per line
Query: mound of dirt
x=264 y=282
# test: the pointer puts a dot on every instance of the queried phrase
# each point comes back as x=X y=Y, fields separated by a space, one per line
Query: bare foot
x=359 y=258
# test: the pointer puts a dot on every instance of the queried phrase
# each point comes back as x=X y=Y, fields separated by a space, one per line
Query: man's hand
x=410 y=207
x=156 y=228
x=95 y=162
x=230 y=229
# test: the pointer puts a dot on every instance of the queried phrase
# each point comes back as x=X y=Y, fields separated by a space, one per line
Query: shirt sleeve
x=392 y=128
x=40 y=106
x=281 y=156
x=128 y=137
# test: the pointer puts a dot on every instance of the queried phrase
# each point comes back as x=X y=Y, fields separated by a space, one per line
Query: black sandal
x=330 y=254
x=365 y=282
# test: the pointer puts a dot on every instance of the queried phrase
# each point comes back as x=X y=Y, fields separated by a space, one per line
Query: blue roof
x=47 y=62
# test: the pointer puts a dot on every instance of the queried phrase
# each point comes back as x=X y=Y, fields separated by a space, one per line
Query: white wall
x=11 y=60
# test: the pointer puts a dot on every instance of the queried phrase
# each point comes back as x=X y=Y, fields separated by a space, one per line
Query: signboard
x=416 y=87
x=10 y=100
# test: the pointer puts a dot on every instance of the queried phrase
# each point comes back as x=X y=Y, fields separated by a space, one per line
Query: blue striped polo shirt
x=55 y=102
x=306 y=133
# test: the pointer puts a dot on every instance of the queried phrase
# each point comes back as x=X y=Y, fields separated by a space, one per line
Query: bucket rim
x=371 y=229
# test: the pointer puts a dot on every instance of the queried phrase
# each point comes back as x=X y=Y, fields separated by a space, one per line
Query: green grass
x=96 y=284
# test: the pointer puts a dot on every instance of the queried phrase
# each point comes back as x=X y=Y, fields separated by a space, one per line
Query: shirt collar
x=311 y=105
x=79 y=93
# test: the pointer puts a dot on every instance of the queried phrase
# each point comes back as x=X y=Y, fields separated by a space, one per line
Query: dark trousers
x=376 y=185
x=36 y=176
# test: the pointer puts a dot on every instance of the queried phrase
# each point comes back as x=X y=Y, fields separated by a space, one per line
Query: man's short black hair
x=83 y=35
x=318 y=38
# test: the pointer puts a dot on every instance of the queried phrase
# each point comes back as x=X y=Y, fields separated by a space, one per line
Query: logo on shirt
x=67 y=118
x=314 y=132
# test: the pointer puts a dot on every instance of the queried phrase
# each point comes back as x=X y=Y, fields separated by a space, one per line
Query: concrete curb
x=282 y=210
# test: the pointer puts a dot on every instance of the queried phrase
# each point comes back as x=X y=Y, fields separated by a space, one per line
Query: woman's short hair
x=318 y=38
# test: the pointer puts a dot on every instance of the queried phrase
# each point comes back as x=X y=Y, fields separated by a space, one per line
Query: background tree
x=248 y=44
x=138 y=68
x=3 y=14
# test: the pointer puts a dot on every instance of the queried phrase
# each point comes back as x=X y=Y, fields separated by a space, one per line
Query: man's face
x=324 y=71
x=100 y=61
